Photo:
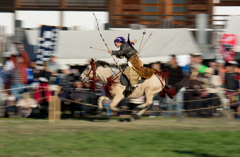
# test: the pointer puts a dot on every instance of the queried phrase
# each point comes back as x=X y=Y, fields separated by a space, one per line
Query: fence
x=54 y=107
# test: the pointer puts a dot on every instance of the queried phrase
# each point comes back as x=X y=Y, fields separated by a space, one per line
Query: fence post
x=51 y=110
x=57 y=103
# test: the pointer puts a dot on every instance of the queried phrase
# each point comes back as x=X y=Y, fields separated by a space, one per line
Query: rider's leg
x=132 y=76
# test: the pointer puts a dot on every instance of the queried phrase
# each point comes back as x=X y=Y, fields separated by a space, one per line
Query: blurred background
x=51 y=39
x=45 y=46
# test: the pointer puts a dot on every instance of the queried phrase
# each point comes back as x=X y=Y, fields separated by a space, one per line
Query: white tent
x=73 y=47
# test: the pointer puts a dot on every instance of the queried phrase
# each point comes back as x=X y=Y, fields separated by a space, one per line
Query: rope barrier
x=151 y=111
x=19 y=88
x=135 y=110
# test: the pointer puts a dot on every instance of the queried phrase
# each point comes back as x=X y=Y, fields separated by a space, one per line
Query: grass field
x=142 y=138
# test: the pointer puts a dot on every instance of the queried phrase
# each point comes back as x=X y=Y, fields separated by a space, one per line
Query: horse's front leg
x=116 y=99
x=100 y=100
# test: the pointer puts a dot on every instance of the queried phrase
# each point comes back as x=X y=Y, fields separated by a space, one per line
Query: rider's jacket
x=126 y=50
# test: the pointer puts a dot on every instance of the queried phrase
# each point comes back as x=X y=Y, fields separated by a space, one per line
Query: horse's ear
x=93 y=60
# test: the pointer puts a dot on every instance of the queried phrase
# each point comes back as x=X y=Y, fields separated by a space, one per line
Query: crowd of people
x=27 y=88
x=210 y=88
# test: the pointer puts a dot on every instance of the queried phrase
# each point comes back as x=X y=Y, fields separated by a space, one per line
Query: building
x=156 y=13
x=151 y=13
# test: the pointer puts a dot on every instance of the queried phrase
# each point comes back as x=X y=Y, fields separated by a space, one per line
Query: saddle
x=130 y=76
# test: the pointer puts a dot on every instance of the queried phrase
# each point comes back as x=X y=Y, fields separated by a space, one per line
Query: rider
x=128 y=51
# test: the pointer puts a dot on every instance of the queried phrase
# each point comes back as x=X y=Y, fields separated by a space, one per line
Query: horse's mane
x=106 y=64
x=102 y=63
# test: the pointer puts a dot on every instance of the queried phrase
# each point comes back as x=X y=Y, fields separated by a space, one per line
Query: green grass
x=106 y=139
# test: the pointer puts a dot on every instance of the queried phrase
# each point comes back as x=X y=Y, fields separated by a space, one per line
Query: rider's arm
x=123 y=50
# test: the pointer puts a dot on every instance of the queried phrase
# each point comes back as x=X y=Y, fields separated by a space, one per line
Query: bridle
x=92 y=63
x=92 y=81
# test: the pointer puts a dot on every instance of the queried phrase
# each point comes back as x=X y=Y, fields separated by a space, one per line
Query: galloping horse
x=149 y=88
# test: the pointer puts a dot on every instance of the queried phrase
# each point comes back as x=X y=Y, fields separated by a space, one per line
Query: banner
x=227 y=43
x=46 y=43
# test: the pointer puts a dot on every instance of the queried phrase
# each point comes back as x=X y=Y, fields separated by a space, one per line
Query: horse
x=149 y=88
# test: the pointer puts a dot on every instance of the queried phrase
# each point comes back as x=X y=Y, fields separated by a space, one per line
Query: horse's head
x=89 y=72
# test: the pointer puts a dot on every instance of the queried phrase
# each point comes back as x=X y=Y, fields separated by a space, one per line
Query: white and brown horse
x=149 y=88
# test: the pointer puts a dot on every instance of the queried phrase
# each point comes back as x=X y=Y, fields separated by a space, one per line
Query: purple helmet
x=119 y=39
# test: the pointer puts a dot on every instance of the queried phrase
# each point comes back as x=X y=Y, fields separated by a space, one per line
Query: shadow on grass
x=196 y=154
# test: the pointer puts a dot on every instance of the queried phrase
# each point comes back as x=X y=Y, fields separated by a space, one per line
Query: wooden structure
x=155 y=13
x=152 y=13
x=228 y=3
x=60 y=5
x=55 y=106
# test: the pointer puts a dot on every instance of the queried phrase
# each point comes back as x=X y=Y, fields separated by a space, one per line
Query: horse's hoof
x=128 y=120
x=141 y=106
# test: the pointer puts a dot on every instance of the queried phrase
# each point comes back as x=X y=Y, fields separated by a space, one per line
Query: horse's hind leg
x=142 y=111
x=115 y=102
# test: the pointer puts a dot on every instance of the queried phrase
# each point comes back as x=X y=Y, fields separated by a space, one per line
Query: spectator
x=187 y=68
x=11 y=109
x=43 y=94
x=25 y=105
x=18 y=75
x=53 y=67
x=213 y=65
x=198 y=58
x=175 y=77
x=76 y=94
x=194 y=93
x=66 y=82
x=230 y=82
x=212 y=84
x=157 y=100
x=221 y=70
x=91 y=99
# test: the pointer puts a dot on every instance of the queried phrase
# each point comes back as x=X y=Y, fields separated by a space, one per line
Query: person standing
x=176 y=76
x=18 y=76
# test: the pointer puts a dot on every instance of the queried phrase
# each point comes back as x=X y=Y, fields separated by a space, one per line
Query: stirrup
x=132 y=88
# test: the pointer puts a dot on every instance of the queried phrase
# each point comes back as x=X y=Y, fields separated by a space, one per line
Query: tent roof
x=73 y=47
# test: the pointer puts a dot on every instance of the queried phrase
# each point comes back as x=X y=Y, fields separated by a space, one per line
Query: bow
x=106 y=43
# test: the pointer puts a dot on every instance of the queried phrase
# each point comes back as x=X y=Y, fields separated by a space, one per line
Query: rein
x=110 y=79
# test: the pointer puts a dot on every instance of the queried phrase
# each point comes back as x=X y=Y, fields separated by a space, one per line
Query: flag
x=46 y=43
x=227 y=43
